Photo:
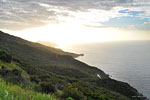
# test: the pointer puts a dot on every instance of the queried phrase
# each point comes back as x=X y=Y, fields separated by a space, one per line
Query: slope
x=54 y=60
x=52 y=71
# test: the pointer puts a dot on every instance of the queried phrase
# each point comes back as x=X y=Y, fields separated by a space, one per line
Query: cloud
x=19 y=15
x=22 y=14
x=146 y=22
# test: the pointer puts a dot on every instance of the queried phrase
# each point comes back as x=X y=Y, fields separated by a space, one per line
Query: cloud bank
x=24 y=14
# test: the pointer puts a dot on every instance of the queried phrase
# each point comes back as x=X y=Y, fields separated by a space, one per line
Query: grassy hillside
x=47 y=58
x=36 y=82
x=14 y=92
x=50 y=71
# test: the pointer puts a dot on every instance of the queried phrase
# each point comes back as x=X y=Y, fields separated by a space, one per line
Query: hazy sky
x=75 y=21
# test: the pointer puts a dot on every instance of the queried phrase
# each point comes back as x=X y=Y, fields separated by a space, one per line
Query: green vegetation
x=42 y=73
x=70 y=91
x=5 y=57
x=13 y=92
x=47 y=87
x=69 y=98
x=47 y=58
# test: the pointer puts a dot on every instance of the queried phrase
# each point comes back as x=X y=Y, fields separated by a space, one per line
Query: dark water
x=125 y=61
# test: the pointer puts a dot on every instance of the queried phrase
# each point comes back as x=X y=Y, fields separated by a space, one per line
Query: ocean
x=127 y=61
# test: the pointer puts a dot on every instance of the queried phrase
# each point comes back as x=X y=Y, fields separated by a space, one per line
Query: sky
x=76 y=21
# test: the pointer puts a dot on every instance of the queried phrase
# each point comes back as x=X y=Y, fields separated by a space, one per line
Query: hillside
x=48 y=58
x=14 y=92
x=50 y=70
x=48 y=43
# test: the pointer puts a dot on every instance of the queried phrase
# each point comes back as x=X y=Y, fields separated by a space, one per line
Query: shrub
x=14 y=92
x=16 y=72
x=69 y=98
x=5 y=57
x=59 y=93
x=34 y=78
x=100 y=97
x=47 y=87
x=70 y=91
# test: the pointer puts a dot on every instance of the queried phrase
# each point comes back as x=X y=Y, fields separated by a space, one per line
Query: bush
x=14 y=92
x=34 y=78
x=47 y=87
x=100 y=97
x=70 y=91
x=69 y=98
x=16 y=72
x=59 y=93
x=5 y=57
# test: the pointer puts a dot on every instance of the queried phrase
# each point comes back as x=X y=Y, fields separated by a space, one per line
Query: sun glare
x=71 y=33
x=66 y=33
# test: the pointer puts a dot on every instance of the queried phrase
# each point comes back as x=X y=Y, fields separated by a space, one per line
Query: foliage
x=5 y=57
x=34 y=78
x=69 y=98
x=13 y=92
x=42 y=80
x=72 y=92
x=47 y=87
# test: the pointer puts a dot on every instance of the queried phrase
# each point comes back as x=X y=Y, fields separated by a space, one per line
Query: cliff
x=54 y=71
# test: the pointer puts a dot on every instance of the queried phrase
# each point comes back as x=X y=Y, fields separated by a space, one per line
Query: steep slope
x=54 y=60
x=52 y=70
x=16 y=84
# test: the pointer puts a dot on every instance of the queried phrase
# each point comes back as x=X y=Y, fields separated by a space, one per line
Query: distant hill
x=52 y=70
x=48 y=43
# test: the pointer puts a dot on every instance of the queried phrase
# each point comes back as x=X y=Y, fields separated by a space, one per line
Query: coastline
x=88 y=58
x=64 y=66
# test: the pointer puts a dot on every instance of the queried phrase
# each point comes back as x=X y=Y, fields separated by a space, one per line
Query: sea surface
x=127 y=61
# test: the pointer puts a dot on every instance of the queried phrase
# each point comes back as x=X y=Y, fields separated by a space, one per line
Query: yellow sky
x=78 y=21
x=71 y=33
